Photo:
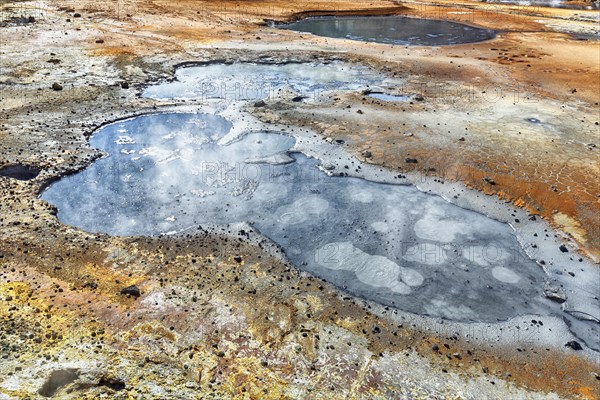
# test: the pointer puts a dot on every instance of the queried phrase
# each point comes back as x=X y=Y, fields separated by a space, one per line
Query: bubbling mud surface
x=393 y=29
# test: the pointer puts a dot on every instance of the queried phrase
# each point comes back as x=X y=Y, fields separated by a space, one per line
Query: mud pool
x=19 y=172
x=253 y=81
x=388 y=243
x=393 y=29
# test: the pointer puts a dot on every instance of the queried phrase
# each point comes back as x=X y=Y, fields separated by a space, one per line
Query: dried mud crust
x=206 y=323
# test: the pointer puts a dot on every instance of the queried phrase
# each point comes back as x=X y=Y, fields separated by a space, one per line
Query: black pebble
x=574 y=345
x=132 y=290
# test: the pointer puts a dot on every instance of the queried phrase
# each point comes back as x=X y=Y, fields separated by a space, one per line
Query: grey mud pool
x=393 y=29
x=170 y=172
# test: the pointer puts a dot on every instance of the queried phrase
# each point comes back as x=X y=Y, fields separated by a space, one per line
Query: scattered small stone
x=563 y=248
x=260 y=103
x=409 y=160
x=125 y=85
x=376 y=329
x=419 y=98
x=574 y=345
x=100 y=41
x=31 y=19
x=132 y=290
x=435 y=347
x=339 y=141
x=489 y=180
x=91 y=285
x=237 y=259
x=360 y=112
x=367 y=154
x=461 y=139
x=298 y=99
x=457 y=356
x=57 y=86
x=77 y=15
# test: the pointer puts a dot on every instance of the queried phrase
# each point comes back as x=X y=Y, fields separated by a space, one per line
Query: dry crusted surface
x=206 y=325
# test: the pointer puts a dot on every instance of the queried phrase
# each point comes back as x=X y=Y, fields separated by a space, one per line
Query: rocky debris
x=563 y=248
x=489 y=181
x=132 y=290
x=100 y=41
x=238 y=259
x=124 y=85
x=435 y=347
x=298 y=99
x=54 y=61
x=259 y=103
x=90 y=285
x=419 y=98
x=574 y=344
x=366 y=154
x=77 y=15
x=57 y=86
x=554 y=293
x=409 y=160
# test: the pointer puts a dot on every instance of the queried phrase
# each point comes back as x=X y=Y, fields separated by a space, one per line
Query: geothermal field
x=300 y=200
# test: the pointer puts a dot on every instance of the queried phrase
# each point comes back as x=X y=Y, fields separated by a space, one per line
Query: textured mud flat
x=219 y=313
